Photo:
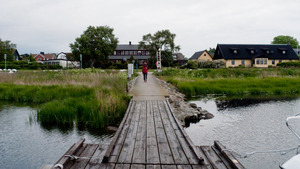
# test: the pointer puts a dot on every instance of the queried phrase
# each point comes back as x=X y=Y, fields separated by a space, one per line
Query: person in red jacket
x=145 y=71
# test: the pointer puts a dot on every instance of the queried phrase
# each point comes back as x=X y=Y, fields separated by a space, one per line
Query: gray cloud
x=50 y=26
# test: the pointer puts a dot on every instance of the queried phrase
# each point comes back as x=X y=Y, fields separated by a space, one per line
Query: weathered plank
x=85 y=156
x=152 y=155
x=165 y=153
x=46 y=166
x=128 y=147
x=95 y=161
x=168 y=167
x=229 y=157
x=137 y=166
x=215 y=161
x=139 y=153
x=192 y=155
x=65 y=158
x=122 y=166
x=122 y=136
x=113 y=142
x=150 y=166
x=177 y=151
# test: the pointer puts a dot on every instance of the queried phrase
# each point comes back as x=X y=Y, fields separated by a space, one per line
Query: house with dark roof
x=16 y=55
x=254 y=55
x=179 y=59
x=124 y=52
x=201 y=55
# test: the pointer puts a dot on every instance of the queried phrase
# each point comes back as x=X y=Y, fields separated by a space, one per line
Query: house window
x=131 y=52
x=122 y=52
x=232 y=62
x=268 y=52
x=235 y=51
x=147 y=53
x=257 y=61
x=273 y=62
x=265 y=61
x=280 y=60
x=243 y=62
x=252 y=51
x=204 y=54
x=115 y=53
x=39 y=59
x=261 y=61
x=284 y=52
x=126 y=52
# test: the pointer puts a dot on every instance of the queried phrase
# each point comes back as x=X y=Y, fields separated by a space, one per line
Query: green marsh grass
x=234 y=82
x=89 y=97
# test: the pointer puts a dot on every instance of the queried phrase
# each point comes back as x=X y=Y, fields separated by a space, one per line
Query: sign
x=5 y=56
x=158 y=63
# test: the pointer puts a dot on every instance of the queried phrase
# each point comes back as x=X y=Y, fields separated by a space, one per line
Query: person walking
x=145 y=71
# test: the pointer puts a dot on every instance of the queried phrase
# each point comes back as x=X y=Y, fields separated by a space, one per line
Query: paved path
x=150 y=90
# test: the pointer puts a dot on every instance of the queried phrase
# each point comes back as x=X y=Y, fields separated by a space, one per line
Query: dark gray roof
x=128 y=47
x=179 y=56
x=196 y=55
x=248 y=51
x=121 y=57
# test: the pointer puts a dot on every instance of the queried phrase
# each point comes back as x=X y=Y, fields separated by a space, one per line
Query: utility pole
x=80 y=61
x=5 y=57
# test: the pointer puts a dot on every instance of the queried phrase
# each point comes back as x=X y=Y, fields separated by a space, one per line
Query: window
x=252 y=51
x=131 y=52
x=115 y=53
x=135 y=52
x=232 y=62
x=268 y=52
x=273 y=62
x=204 y=54
x=261 y=61
x=257 y=61
x=243 y=62
x=284 y=52
x=126 y=52
x=280 y=60
x=235 y=51
x=147 y=53
x=122 y=52
x=265 y=61
x=39 y=59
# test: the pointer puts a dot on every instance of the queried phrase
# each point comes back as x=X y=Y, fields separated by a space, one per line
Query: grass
x=90 y=97
x=234 y=82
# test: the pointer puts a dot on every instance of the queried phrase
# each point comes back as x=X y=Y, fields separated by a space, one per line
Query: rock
x=209 y=116
x=177 y=104
x=193 y=105
x=112 y=128
x=199 y=108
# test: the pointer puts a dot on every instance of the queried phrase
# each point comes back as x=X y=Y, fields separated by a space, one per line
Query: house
x=62 y=60
x=254 y=55
x=297 y=51
x=179 y=59
x=42 y=57
x=16 y=55
x=124 y=52
x=201 y=55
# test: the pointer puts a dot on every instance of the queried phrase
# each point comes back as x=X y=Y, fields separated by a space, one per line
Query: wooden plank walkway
x=149 y=137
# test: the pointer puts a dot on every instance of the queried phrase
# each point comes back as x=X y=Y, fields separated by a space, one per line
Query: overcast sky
x=51 y=25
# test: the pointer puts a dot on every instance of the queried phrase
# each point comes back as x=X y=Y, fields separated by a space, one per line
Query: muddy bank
x=185 y=112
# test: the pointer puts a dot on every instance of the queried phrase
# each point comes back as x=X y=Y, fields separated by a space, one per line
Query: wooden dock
x=148 y=137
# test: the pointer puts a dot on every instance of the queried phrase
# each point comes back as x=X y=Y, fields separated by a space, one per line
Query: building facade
x=201 y=55
x=254 y=55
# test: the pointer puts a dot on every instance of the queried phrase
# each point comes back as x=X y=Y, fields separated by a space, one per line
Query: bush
x=289 y=64
x=211 y=64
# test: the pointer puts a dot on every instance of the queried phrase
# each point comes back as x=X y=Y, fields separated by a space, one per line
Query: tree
x=163 y=40
x=95 y=44
x=212 y=51
x=6 y=47
x=281 y=39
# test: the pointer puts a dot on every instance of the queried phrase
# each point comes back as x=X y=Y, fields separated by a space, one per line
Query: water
x=25 y=143
x=252 y=126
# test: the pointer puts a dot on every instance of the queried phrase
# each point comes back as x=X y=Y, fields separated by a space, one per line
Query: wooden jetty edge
x=149 y=136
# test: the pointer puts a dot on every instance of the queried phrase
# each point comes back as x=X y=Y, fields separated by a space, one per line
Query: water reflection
x=247 y=125
x=25 y=144
x=227 y=102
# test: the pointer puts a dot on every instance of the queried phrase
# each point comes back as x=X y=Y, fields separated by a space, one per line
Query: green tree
x=163 y=40
x=281 y=39
x=95 y=44
x=212 y=51
x=6 y=47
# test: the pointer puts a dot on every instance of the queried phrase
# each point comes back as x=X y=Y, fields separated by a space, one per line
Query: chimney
x=42 y=53
x=129 y=42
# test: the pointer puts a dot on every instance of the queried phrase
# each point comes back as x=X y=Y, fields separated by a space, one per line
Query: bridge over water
x=149 y=136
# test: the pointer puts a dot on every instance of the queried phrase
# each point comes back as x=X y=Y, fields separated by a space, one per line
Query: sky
x=51 y=25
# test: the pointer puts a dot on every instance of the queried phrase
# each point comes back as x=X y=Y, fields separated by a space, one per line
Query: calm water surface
x=26 y=144
x=247 y=126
